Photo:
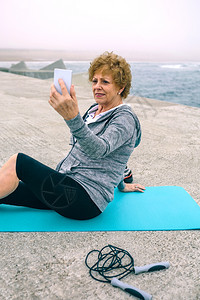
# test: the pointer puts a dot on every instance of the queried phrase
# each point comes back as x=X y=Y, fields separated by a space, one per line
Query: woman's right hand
x=66 y=104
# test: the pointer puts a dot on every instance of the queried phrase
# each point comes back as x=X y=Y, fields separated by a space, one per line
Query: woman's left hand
x=133 y=187
x=66 y=105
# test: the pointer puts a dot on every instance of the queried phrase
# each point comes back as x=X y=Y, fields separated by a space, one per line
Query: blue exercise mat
x=158 y=208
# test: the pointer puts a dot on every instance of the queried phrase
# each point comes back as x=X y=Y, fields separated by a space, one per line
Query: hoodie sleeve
x=121 y=185
x=115 y=134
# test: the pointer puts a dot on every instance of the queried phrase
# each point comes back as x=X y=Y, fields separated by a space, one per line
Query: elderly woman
x=102 y=141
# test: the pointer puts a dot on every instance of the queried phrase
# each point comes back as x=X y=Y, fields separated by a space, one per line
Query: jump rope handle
x=131 y=289
x=152 y=267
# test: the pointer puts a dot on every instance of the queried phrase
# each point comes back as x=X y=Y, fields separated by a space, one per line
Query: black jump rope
x=114 y=262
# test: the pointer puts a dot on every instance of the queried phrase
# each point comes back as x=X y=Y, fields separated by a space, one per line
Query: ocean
x=173 y=82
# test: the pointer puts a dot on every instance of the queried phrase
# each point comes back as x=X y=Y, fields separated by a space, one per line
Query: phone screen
x=66 y=76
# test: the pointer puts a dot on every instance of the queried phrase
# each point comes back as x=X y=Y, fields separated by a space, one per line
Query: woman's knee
x=14 y=157
x=10 y=165
x=13 y=160
x=8 y=177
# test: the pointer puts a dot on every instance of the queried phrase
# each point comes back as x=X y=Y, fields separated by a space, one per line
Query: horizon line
x=88 y=55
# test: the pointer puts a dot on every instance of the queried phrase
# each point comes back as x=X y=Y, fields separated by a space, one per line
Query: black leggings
x=44 y=188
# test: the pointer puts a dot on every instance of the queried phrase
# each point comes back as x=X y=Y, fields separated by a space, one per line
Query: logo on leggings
x=56 y=193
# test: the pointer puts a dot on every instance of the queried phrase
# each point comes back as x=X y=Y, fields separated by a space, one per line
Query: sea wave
x=190 y=65
x=172 y=66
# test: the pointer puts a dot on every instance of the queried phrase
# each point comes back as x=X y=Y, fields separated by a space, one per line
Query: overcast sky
x=147 y=28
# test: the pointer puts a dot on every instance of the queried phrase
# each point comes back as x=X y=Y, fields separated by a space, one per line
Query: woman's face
x=104 y=89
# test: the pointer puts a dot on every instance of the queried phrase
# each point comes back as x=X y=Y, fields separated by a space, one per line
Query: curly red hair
x=113 y=64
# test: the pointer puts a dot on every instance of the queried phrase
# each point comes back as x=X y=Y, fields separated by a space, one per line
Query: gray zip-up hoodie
x=100 y=151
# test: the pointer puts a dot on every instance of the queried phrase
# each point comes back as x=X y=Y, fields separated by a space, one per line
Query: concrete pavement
x=50 y=266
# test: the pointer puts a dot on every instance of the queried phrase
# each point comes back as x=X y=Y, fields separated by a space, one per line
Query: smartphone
x=66 y=76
